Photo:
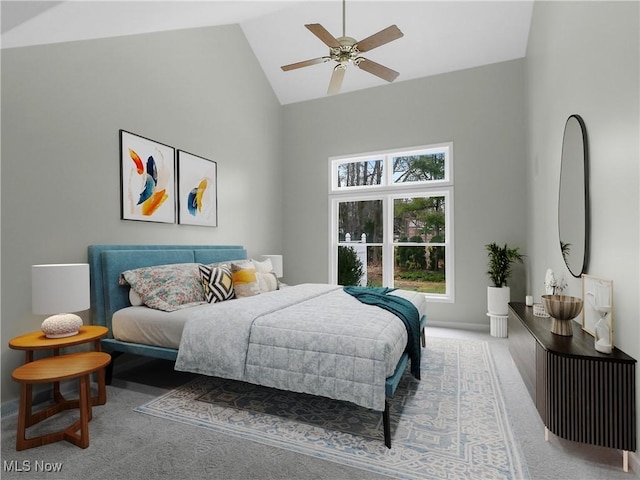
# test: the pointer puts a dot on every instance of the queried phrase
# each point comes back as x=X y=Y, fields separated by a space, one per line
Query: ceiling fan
x=345 y=50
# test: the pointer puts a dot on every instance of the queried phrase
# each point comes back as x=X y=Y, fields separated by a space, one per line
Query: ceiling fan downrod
x=344 y=18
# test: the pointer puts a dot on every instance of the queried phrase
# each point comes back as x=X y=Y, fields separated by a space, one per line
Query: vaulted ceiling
x=439 y=36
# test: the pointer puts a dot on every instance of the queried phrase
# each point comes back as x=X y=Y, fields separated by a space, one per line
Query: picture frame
x=147 y=179
x=197 y=190
x=597 y=295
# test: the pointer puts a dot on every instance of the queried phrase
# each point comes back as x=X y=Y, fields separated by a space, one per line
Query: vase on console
x=601 y=303
x=602 y=340
x=562 y=309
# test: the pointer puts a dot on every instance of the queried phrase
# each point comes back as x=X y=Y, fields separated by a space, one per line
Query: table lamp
x=276 y=263
x=60 y=289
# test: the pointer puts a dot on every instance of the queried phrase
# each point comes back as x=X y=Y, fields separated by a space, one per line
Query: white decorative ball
x=61 y=325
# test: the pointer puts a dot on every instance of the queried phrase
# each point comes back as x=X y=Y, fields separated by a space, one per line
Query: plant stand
x=498 y=325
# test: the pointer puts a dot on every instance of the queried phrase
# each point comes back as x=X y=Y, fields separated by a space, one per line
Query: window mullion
x=387 y=266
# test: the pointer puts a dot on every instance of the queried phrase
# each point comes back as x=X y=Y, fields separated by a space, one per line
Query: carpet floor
x=453 y=421
x=128 y=445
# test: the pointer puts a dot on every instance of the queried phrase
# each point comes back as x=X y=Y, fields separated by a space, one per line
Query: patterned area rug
x=451 y=424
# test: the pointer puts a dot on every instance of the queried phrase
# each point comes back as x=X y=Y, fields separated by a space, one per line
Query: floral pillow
x=166 y=287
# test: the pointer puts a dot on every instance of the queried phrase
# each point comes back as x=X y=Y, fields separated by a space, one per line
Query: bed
x=295 y=338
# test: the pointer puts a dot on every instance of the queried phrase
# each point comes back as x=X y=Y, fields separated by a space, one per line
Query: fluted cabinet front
x=580 y=394
x=591 y=401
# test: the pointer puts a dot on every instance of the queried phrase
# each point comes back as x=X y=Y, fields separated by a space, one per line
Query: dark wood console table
x=580 y=394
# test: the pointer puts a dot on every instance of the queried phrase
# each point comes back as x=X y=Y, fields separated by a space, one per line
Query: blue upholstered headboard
x=108 y=261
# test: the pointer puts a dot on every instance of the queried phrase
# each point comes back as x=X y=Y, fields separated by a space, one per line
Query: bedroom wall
x=481 y=110
x=590 y=67
x=62 y=107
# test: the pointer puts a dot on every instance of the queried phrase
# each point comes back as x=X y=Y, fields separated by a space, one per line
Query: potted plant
x=501 y=260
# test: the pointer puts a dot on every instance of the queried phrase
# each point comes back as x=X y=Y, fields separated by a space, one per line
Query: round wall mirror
x=573 y=204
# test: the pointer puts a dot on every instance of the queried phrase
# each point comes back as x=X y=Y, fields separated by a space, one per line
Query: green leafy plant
x=412 y=258
x=350 y=269
x=501 y=260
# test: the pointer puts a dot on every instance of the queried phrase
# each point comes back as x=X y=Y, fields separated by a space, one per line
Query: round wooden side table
x=30 y=342
x=54 y=369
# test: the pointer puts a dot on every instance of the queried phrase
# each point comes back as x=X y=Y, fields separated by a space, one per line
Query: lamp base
x=61 y=325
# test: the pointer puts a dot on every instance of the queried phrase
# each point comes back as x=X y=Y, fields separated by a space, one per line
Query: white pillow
x=263 y=266
x=267 y=282
x=134 y=299
x=267 y=278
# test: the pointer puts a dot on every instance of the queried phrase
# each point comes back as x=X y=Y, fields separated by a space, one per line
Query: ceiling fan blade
x=376 y=69
x=306 y=63
x=387 y=35
x=336 y=79
x=320 y=32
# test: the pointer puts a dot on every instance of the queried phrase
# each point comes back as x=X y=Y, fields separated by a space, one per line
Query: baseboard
x=43 y=397
x=475 y=327
x=10 y=407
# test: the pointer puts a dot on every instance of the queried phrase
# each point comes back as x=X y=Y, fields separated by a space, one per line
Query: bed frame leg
x=109 y=368
x=386 y=424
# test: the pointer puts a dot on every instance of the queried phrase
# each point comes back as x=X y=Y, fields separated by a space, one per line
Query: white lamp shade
x=276 y=262
x=60 y=288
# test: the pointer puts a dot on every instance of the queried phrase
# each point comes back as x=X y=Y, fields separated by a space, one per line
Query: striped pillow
x=217 y=282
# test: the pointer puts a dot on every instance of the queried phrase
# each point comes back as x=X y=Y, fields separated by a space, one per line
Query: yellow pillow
x=245 y=282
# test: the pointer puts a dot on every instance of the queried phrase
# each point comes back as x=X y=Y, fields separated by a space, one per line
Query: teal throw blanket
x=403 y=309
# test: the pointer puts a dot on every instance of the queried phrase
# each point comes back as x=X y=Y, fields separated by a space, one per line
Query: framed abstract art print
x=197 y=190
x=147 y=179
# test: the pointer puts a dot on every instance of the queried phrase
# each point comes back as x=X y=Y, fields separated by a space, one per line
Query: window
x=392 y=220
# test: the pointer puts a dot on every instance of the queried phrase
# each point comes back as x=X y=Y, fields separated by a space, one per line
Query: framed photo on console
x=197 y=190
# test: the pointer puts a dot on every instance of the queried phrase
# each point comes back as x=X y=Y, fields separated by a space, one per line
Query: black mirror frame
x=585 y=145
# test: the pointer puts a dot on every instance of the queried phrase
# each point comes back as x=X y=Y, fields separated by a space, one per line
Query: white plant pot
x=498 y=299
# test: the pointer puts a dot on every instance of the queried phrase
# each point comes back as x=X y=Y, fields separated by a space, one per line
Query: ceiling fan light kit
x=344 y=50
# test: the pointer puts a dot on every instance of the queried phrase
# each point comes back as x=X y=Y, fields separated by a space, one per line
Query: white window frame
x=387 y=180
x=387 y=192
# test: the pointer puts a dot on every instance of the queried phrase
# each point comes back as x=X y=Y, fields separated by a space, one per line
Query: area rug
x=451 y=424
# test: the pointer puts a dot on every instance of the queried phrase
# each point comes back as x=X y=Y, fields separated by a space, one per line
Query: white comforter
x=311 y=338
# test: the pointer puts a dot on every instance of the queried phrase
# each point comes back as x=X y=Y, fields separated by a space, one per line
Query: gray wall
x=583 y=57
x=480 y=110
x=62 y=107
